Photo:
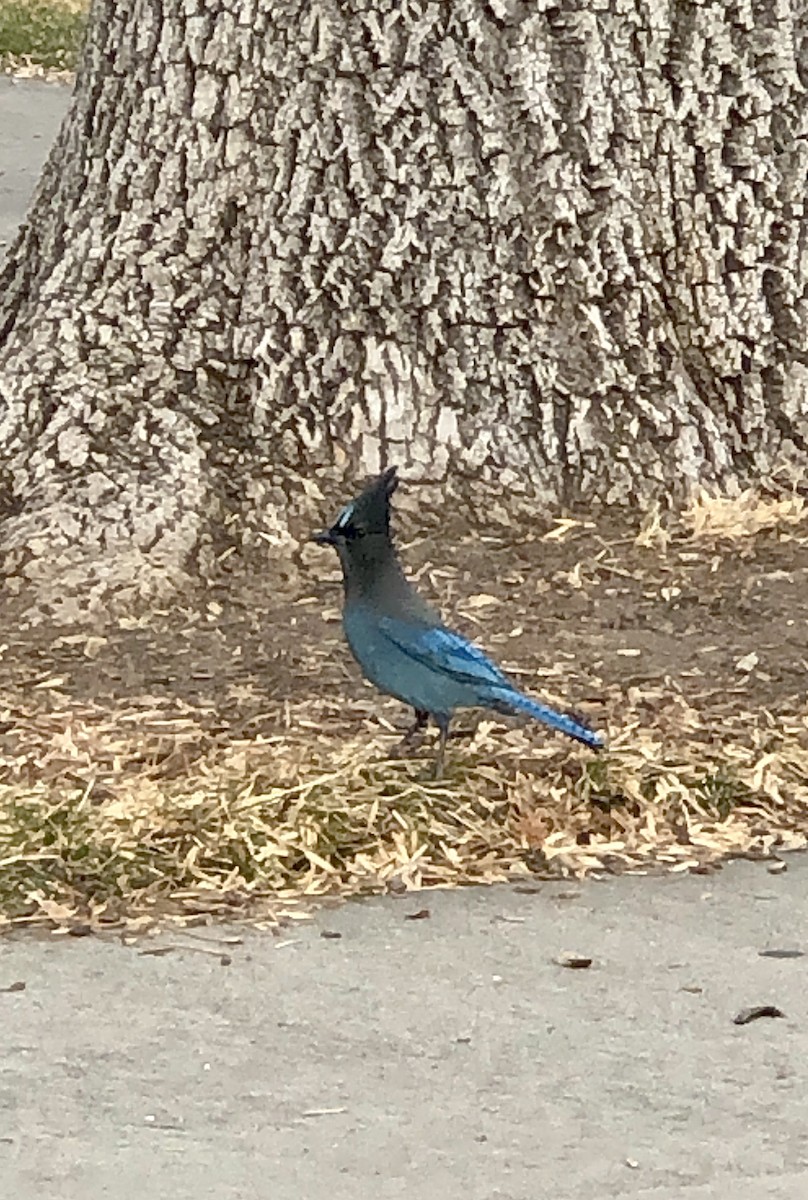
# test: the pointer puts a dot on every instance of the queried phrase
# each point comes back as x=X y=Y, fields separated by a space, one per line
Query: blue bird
x=401 y=644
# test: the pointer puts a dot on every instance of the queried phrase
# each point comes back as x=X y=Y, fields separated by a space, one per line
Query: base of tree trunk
x=71 y=561
x=551 y=252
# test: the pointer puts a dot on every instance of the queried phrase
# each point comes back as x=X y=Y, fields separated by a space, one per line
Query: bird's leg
x=418 y=726
x=412 y=734
x=443 y=725
x=469 y=732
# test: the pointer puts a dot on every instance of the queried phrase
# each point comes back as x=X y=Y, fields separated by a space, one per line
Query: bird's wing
x=442 y=650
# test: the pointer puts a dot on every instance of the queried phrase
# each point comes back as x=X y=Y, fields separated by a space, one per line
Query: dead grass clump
x=734 y=517
x=712 y=518
x=114 y=818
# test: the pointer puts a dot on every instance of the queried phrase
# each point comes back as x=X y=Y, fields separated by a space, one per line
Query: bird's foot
x=462 y=734
x=413 y=738
x=406 y=747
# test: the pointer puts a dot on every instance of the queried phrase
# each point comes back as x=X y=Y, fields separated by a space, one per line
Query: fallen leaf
x=218 y=941
x=562 y=527
x=58 y=913
x=574 y=962
x=756 y=1012
x=423 y=914
x=481 y=600
x=330 y=934
x=93 y=646
x=17 y=986
x=575 y=577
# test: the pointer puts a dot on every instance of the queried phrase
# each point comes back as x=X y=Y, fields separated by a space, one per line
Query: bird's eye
x=345 y=526
x=346 y=531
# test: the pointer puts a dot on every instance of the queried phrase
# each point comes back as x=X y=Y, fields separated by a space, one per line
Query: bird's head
x=364 y=523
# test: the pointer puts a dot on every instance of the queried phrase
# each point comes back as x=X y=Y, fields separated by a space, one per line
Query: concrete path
x=436 y=1059
x=30 y=115
x=441 y=1058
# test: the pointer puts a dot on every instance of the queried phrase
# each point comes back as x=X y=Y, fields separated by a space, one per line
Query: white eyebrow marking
x=344 y=517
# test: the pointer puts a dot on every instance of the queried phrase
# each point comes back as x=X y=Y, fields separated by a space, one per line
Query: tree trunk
x=560 y=248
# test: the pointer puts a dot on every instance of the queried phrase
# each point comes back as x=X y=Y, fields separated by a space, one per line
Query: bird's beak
x=324 y=538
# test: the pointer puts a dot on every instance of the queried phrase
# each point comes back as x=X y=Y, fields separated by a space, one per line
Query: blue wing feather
x=445 y=651
x=450 y=655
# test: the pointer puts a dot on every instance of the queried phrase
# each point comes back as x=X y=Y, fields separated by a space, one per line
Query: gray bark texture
x=555 y=248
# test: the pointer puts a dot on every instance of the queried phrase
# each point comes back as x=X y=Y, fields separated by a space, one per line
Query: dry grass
x=127 y=816
x=743 y=516
x=194 y=801
x=713 y=517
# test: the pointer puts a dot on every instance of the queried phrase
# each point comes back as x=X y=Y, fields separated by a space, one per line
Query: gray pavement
x=437 y=1059
x=30 y=115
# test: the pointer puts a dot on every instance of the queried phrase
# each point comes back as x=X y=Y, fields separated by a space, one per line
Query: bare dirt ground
x=228 y=750
x=593 y=614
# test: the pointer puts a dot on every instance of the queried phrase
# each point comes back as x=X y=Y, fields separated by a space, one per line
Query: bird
x=400 y=642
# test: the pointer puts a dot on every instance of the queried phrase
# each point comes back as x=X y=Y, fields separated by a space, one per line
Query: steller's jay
x=402 y=645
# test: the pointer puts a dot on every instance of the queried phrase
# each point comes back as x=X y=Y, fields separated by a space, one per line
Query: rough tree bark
x=561 y=246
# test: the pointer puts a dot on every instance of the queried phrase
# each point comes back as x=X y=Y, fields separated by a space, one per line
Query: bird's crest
x=370 y=511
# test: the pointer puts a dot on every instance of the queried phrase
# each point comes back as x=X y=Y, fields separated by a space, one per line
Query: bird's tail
x=510 y=701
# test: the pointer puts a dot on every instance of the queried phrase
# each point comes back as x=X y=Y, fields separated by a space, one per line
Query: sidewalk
x=442 y=1058
x=30 y=114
